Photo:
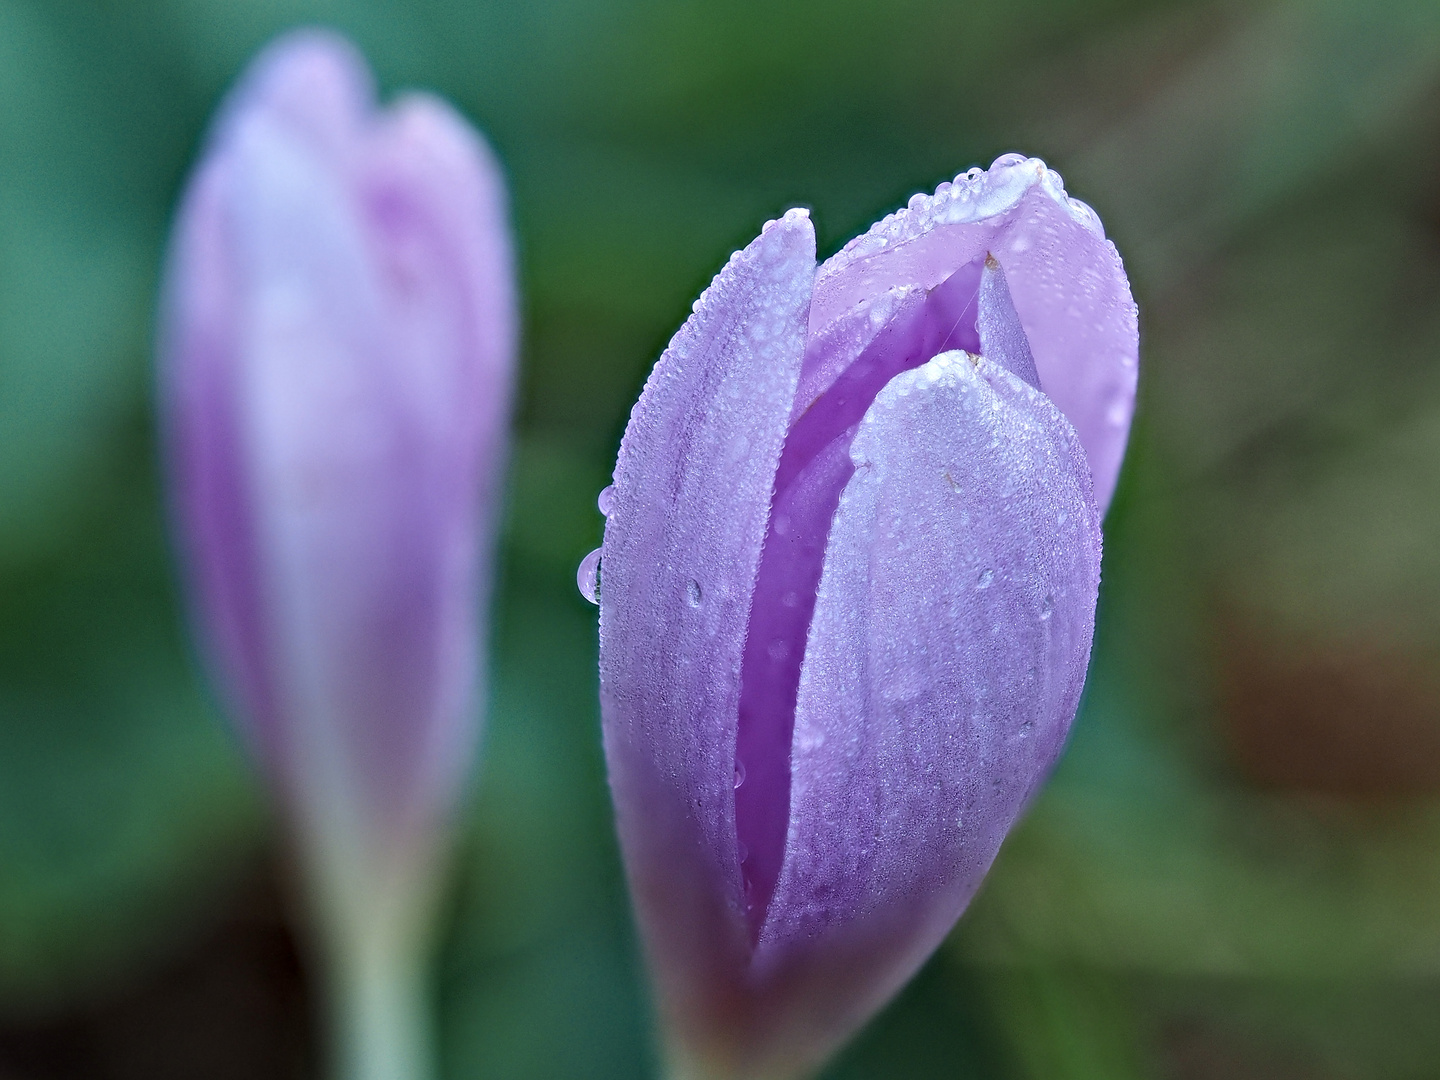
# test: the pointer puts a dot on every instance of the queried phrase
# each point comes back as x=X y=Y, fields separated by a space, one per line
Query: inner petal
x=814 y=468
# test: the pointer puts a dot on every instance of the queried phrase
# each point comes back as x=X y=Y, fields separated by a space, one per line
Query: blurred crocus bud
x=337 y=346
x=847 y=592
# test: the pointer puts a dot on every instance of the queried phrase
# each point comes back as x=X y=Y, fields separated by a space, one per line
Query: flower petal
x=682 y=546
x=945 y=662
x=1065 y=279
x=1002 y=338
x=833 y=348
x=927 y=241
x=1074 y=301
x=312 y=81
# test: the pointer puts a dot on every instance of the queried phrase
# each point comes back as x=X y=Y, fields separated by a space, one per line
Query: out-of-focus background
x=1236 y=870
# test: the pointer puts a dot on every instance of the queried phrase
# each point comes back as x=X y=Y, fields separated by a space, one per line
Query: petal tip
x=310 y=75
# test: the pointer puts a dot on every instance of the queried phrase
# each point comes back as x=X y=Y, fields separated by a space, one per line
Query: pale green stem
x=373 y=922
x=680 y=1067
x=381 y=1015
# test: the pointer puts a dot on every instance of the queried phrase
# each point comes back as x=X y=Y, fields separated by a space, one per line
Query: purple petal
x=1074 y=301
x=682 y=547
x=813 y=470
x=211 y=499
x=946 y=657
x=1065 y=279
x=313 y=82
x=1002 y=338
x=784 y=601
x=833 y=348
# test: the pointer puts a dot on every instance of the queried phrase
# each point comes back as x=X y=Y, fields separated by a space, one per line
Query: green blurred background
x=1236 y=870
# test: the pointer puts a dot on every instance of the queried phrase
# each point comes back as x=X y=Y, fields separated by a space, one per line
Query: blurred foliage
x=1235 y=870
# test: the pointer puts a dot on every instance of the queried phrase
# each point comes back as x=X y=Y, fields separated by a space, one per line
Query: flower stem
x=380 y=1014
x=688 y=1068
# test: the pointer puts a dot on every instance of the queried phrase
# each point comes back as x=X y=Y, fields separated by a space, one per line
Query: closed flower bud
x=337 y=345
x=847 y=593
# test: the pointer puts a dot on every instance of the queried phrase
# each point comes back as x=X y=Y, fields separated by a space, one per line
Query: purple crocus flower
x=337 y=345
x=848 y=590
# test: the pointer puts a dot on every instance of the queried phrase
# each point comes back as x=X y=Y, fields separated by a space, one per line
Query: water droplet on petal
x=739 y=774
x=606 y=500
x=987 y=576
x=693 y=595
x=588 y=577
x=1047 y=607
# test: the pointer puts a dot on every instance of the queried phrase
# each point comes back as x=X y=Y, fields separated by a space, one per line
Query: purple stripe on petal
x=774 y=647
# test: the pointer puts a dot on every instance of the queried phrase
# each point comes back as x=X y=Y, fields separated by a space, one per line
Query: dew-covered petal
x=682 y=546
x=1065 y=280
x=946 y=657
x=833 y=348
x=1074 y=302
x=780 y=612
x=814 y=468
x=927 y=241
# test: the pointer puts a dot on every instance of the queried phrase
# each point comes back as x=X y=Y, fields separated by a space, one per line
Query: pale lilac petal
x=682 y=547
x=946 y=657
x=814 y=468
x=1074 y=301
x=1002 y=338
x=835 y=347
x=927 y=241
x=207 y=472
x=919 y=619
x=313 y=82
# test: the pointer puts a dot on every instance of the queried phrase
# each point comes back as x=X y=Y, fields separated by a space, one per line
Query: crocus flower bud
x=337 y=345
x=847 y=594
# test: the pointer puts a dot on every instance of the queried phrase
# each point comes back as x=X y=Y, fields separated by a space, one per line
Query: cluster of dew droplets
x=587 y=577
